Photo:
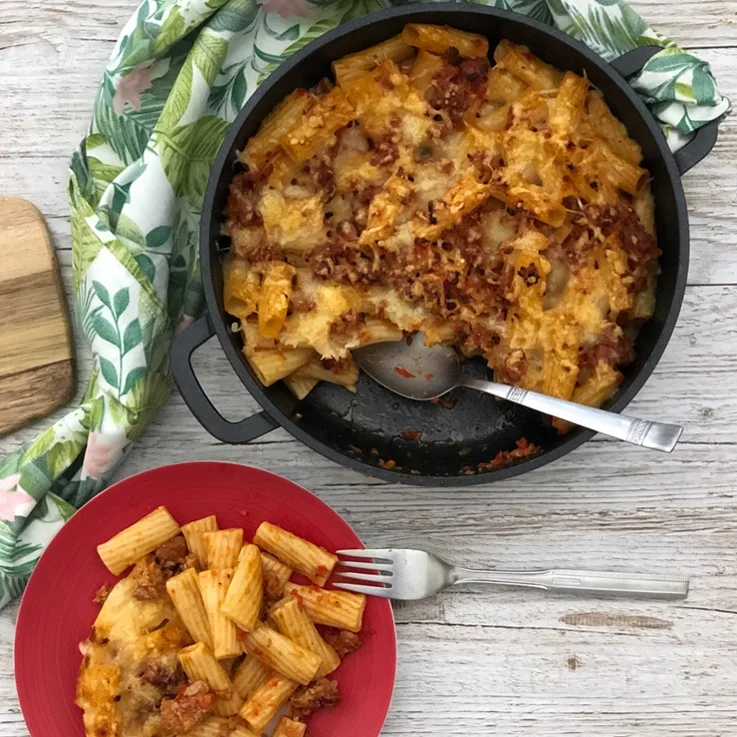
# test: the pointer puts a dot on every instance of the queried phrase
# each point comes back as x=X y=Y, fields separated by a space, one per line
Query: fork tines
x=378 y=573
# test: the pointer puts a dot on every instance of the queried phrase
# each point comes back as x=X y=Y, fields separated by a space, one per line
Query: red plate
x=57 y=610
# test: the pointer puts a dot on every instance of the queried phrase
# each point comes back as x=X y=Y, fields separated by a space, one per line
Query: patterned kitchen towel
x=179 y=74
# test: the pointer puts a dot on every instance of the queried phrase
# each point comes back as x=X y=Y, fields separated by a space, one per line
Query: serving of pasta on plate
x=207 y=636
x=495 y=205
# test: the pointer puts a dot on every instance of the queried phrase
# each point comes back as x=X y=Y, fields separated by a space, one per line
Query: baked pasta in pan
x=498 y=206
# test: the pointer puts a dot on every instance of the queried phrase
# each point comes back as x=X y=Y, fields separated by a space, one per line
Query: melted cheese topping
x=499 y=210
x=128 y=634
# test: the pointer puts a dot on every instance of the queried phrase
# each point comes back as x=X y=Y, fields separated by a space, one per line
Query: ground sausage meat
x=455 y=277
x=172 y=551
x=385 y=151
x=458 y=85
x=311 y=698
x=349 y=324
x=266 y=252
x=342 y=641
x=102 y=593
x=641 y=247
x=242 y=205
x=487 y=166
x=320 y=168
x=168 y=680
x=514 y=367
x=150 y=581
x=505 y=457
x=189 y=708
x=173 y=556
x=347 y=230
x=611 y=348
x=624 y=220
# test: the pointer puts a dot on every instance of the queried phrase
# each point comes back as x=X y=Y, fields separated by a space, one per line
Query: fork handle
x=570 y=581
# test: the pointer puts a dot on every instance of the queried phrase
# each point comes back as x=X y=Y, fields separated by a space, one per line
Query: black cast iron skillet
x=362 y=429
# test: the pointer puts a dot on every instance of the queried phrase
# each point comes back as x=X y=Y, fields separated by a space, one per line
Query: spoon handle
x=655 y=435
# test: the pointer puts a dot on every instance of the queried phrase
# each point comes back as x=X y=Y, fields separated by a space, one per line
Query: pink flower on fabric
x=286 y=8
x=130 y=87
x=183 y=324
x=103 y=451
x=14 y=502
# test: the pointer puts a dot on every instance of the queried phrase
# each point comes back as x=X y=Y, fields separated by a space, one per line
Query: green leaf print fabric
x=178 y=75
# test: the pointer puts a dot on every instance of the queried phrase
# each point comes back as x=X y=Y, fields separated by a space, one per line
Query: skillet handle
x=185 y=344
x=703 y=139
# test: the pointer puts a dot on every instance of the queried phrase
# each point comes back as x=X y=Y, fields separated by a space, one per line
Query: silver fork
x=415 y=574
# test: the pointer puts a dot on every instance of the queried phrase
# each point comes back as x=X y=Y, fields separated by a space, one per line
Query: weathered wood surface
x=36 y=353
x=475 y=662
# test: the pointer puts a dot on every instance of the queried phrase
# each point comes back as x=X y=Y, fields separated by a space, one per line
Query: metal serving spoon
x=416 y=371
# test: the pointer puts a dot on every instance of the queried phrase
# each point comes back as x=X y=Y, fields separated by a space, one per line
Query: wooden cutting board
x=36 y=353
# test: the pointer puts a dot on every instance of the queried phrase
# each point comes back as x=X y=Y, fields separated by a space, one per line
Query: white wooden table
x=474 y=662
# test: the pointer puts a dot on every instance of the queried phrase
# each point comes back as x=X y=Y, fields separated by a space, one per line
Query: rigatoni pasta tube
x=520 y=62
x=560 y=374
x=612 y=130
x=365 y=93
x=344 y=372
x=276 y=125
x=271 y=362
x=440 y=38
x=263 y=704
x=273 y=302
x=568 y=105
x=243 y=599
x=276 y=576
x=138 y=540
x=424 y=69
x=228 y=664
x=466 y=195
x=240 y=288
x=376 y=330
x=280 y=653
x=298 y=627
x=240 y=730
x=614 y=169
x=330 y=113
x=277 y=363
x=546 y=208
x=645 y=208
x=221 y=727
x=300 y=386
x=340 y=609
x=214 y=585
x=303 y=556
x=249 y=675
x=222 y=547
x=593 y=392
x=352 y=66
x=184 y=591
x=503 y=87
x=289 y=728
x=194 y=535
x=200 y=664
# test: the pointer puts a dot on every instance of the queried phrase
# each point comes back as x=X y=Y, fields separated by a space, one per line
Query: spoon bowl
x=412 y=369
x=416 y=371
